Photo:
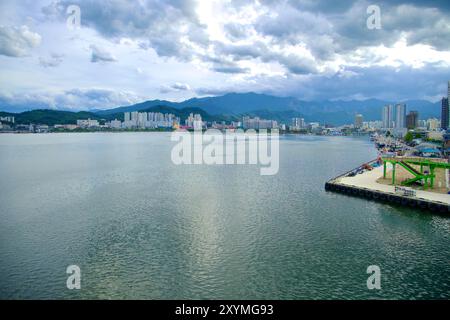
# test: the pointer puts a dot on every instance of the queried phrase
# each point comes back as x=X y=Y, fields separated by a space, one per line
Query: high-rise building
x=198 y=123
x=298 y=123
x=88 y=123
x=400 y=116
x=115 y=124
x=412 y=120
x=448 y=102
x=433 y=124
x=257 y=123
x=358 y=121
x=388 y=116
x=145 y=120
x=445 y=113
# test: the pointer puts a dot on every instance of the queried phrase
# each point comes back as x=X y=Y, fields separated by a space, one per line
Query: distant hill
x=52 y=117
x=229 y=104
x=147 y=105
x=234 y=105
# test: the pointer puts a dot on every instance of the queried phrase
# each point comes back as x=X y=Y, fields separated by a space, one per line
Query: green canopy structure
x=427 y=178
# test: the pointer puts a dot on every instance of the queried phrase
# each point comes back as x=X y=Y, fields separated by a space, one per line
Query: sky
x=119 y=52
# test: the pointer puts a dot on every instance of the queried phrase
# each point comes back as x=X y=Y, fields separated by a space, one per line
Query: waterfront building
x=422 y=124
x=146 y=120
x=388 y=116
x=358 y=121
x=236 y=124
x=65 y=126
x=194 y=121
x=115 y=124
x=134 y=116
x=298 y=123
x=313 y=125
x=400 y=116
x=41 y=128
x=433 y=124
x=445 y=113
x=142 y=119
x=257 y=123
x=412 y=120
x=198 y=123
x=87 y=123
x=372 y=125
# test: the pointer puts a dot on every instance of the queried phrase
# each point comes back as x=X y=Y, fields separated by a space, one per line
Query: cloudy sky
x=128 y=51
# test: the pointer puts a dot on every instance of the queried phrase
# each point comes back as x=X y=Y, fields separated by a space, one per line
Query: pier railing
x=353 y=170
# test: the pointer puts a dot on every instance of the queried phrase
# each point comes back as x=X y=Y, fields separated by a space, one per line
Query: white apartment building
x=400 y=116
x=88 y=123
x=145 y=120
x=257 y=123
x=298 y=123
x=433 y=124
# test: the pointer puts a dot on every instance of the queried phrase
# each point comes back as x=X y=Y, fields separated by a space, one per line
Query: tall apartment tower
x=448 y=103
x=400 y=116
x=412 y=120
x=388 y=116
x=358 y=121
x=445 y=114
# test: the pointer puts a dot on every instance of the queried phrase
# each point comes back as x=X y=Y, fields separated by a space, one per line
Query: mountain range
x=233 y=106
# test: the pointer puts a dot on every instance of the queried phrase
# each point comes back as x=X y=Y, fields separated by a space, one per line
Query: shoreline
x=365 y=185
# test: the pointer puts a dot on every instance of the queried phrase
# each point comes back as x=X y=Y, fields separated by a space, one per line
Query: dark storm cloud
x=343 y=27
x=378 y=82
x=230 y=69
x=386 y=83
x=324 y=27
x=161 y=23
x=312 y=48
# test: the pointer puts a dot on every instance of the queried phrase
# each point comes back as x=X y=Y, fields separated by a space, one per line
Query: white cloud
x=17 y=41
x=173 y=49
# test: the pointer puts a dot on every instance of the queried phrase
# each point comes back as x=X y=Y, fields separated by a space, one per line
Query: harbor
x=376 y=180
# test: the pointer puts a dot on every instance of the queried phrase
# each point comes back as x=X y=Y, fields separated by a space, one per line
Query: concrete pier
x=364 y=185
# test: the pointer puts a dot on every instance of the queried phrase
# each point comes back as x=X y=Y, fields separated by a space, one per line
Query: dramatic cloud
x=174 y=49
x=17 y=41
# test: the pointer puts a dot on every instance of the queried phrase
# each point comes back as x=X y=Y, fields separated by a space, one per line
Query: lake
x=140 y=227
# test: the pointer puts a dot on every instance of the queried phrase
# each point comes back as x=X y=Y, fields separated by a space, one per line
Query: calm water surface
x=140 y=227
